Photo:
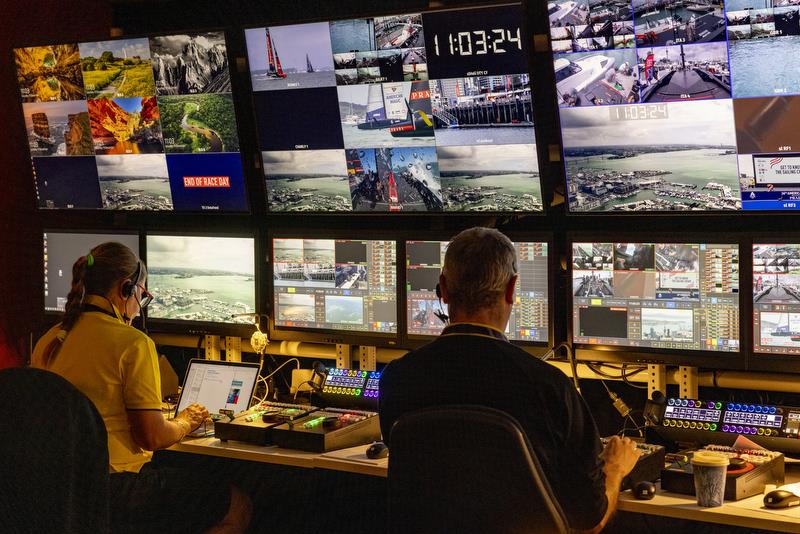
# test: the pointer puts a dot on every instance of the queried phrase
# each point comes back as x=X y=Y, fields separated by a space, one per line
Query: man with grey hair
x=472 y=362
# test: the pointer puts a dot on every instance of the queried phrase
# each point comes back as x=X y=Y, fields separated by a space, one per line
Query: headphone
x=440 y=314
x=129 y=286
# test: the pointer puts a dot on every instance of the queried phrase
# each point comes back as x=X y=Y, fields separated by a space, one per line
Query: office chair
x=465 y=469
x=53 y=456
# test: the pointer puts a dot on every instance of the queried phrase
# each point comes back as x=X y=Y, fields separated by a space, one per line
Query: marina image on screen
x=682 y=296
x=529 y=319
x=61 y=251
x=388 y=95
x=201 y=279
x=327 y=284
x=122 y=104
x=776 y=298
x=655 y=157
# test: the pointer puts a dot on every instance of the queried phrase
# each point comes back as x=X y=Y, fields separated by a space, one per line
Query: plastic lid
x=710 y=458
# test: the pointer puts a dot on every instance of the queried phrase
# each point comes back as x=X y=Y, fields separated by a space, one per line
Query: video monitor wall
x=776 y=298
x=61 y=251
x=133 y=124
x=335 y=284
x=669 y=105
x=682 y=296
x=419 y=112
x=529 y=319
x=201 y=279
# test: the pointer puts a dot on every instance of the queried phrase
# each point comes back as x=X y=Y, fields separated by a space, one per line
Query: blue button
x=671 y=401
x=751 y=408
x=737 y=407
x=758 y=409
x=729 y=406
x=772 y=409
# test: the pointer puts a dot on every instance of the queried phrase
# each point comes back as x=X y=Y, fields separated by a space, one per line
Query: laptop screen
x=219 y=385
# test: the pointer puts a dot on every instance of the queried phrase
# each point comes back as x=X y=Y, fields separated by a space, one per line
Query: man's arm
x=620 y=456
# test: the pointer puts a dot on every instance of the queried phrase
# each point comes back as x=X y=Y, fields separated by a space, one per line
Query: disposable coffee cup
x=709 y=477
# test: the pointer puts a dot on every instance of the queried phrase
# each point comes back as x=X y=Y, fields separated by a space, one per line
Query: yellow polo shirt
x=116 y=366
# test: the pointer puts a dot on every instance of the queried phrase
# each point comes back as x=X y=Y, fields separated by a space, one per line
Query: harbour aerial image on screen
x=134 y=182
x=308 y=180
x=684 y=157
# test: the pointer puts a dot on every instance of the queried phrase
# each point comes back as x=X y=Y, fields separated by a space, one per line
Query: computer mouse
x=644 y=490
x=781 y=499
x=377 y=451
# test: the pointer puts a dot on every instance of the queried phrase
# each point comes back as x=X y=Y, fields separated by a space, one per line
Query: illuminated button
x=358 y=392
x=718 y=405
x=772 y=409
x=706 y=426
x=710 y=405
x=758 y=409
x=751 y=408
x=730 y=406
x=740 y=429
x=684 y=402
x=713 y=426
x=760 y=431
x=671 y=401
x=753 y=430
x=692 y=425
x=697 y=404
x=666 y=422
x=737 y=407
x=363 y=374
x=726 y=428
x=673 y=423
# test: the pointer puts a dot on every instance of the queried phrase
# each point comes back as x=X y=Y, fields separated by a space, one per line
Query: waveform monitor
x=201 y=279
x=685 y=106
x=133 y=124
x=682 y=296
x=776 y=298
x=335 y=284
x=417 y=112
x=529 y=319
x=61 y=251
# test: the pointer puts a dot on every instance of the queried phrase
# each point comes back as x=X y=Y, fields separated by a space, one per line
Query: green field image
x=198 y=123
x=112 y=77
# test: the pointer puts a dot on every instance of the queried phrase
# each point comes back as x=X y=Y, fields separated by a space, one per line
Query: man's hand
x=620 y=456
x=194 y=414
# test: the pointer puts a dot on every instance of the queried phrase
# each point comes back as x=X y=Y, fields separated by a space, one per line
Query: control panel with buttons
x=732 y=417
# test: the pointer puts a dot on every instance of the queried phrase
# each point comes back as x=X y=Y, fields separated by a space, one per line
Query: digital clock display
x=640 y=112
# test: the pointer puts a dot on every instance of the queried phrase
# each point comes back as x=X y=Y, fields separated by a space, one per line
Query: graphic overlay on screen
x=658 y=295
x=681 y=106
x=203 y=279
x=776 y=298
x=332 y=284
x=61 y=251
x=529 y=315
x=133 y=124
x=426 y=111
x=215 y=386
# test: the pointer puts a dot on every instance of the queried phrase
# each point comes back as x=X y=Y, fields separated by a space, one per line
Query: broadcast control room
x=402 y=266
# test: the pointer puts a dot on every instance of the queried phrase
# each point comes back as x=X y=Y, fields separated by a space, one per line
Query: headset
x=440 y=312
x=129 y=286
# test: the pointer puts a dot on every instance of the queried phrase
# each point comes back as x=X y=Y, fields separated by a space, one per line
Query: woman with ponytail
x=116 y=366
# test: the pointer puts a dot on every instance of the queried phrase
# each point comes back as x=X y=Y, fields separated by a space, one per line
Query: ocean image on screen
x=190 y=64
x=684 y=157
x=134 y=182
x=198 y=123
x=490 y=178
x=49 y=73
x=308 y=180
x=117 y=69
x=295 y=307
x=58 y=128
x=290 y=57
x=205 y=279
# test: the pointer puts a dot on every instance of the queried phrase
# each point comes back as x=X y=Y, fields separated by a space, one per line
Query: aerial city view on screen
x=205 y=279
x=133 y=124
x=678 y=105
x=657 y=295
x=415 y=112
x=776 y=298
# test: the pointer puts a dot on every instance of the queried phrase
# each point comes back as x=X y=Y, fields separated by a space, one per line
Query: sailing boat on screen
x=274 y=69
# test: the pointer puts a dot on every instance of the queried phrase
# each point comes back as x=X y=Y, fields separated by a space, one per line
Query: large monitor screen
x=61 y=250
x=343 y=285
x=682 y=296
x=133 y=124
x=669 y=105
x=776 y=298
x=529 y=315
x=426 y=111
x=201 y=279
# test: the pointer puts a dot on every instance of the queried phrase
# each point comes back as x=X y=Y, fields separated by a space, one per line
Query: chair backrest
x=464 y=468
x=53 y=456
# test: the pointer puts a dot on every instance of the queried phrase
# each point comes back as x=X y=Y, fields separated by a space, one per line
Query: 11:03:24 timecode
x=638 y=112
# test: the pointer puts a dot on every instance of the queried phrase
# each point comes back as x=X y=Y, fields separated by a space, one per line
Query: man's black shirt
x=471 y=364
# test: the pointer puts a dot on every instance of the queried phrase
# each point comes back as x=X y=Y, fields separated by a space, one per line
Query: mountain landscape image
x=125 y=126
x=190 y=64
x=49 y=73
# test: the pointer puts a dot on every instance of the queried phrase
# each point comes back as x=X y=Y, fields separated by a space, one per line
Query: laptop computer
x=217 y=385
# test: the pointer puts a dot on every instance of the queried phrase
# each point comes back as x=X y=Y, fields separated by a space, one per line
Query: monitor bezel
x=236 y=88
x=331 y=336
x=525 y=27
x=203 y=328
x=650 y=355
x=535 y=348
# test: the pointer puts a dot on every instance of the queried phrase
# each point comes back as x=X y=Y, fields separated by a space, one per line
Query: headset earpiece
x=438 y=292
x=129 y=286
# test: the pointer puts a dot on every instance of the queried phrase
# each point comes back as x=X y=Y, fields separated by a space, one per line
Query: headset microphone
x=440 y=314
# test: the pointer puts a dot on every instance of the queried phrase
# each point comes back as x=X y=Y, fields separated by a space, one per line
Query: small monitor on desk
x=665 y=298
x=529 y=321
x=343 y=287
x=218 y=385
x=61 y=250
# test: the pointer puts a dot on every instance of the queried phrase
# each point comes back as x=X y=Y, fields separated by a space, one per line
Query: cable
x=199 y=343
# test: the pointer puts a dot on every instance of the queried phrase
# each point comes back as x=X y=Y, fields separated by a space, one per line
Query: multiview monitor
x=335 y=285
x=678 y=106
x=201 y=279
x=665 y=296
x=529 y=321
x=62 y=250
x=776 y=298
x=418 y=112
x=133 y=124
